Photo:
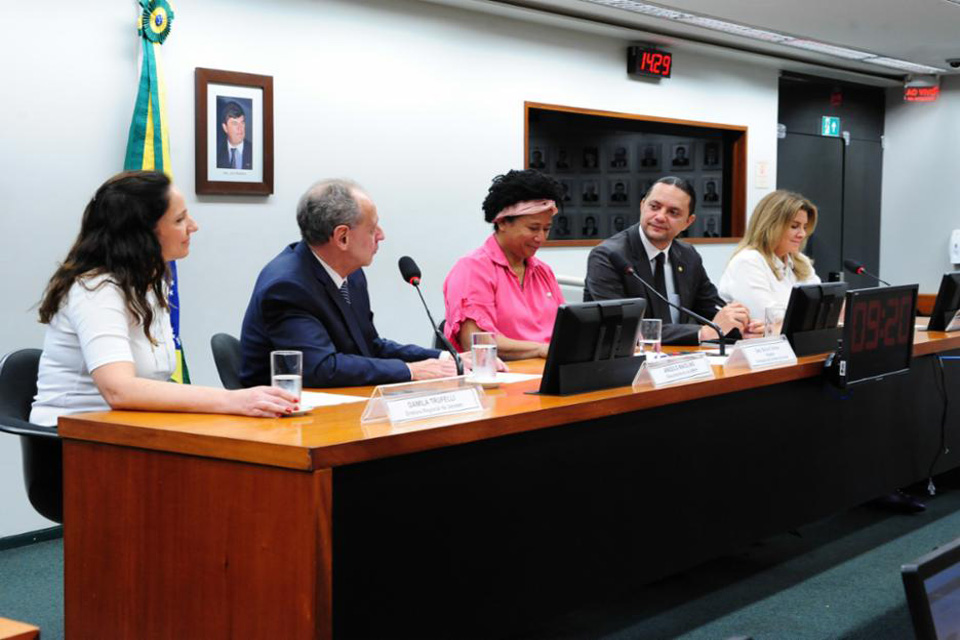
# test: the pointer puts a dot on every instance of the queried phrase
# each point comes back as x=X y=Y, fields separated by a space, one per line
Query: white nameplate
x=760 y=353
x=674 y=369
x=955 y=323
x=440 y=403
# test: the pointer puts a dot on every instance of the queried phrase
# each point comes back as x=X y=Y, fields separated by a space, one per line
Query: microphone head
x=619 y=263
x=409 y=270
x=853 y=266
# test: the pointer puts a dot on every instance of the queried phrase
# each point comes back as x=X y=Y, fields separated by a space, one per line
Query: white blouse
x=749 y=280
x=92 y=328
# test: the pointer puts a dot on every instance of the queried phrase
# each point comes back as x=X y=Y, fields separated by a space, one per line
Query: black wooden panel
x=485 y=539
x=861 y=208
x=804 y=100
x=813 y=166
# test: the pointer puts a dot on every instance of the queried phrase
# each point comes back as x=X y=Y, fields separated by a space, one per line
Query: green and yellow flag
x=148 y=145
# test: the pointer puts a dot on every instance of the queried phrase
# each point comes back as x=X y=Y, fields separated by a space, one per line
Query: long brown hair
x=118 y=239
x=770 y=220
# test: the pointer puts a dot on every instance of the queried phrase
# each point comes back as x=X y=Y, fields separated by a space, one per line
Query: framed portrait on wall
x=711 y=155
x=649 y=157
x=680 y=157
x=234 y=133
x=711 y=225
x=590 y=196
x=538 y=158
x=619 y=190
x=710 y=192
x=563 y=226
x=591 y=226
x=590 y=159
x=619 y=222
x=561 y=161
x=619 y=158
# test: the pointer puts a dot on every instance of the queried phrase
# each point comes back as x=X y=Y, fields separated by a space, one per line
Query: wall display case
x=607 y=162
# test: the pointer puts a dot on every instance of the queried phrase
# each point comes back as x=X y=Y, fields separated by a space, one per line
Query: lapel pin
x=680 y=268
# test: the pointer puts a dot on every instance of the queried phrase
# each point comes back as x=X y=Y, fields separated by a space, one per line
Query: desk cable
x=942 y=449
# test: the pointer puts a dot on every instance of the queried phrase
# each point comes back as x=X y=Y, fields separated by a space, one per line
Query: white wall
x=422 y=104
x=921 y=190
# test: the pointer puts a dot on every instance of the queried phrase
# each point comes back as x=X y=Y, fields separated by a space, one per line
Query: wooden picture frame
x=728 y=167
x=234 y=133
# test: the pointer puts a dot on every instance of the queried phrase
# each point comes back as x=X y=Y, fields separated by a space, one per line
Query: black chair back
x=18 y=383
x=41 y=446
x=226 y=355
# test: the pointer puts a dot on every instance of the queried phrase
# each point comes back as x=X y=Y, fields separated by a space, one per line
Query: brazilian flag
x=148 y=146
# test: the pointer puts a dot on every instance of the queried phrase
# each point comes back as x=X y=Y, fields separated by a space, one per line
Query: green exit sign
x=830 y=126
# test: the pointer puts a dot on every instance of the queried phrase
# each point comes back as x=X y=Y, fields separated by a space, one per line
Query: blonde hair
x=770 y=220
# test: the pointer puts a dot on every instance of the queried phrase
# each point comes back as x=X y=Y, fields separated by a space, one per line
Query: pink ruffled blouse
x=481 y=287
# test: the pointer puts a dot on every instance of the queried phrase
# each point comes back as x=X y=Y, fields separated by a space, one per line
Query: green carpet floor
x=31 y=586
x=837 y=578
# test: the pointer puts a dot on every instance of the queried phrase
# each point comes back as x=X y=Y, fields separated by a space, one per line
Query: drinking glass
x=484 y=348
x=286 y=371
x=650 y=333
x=773 y=320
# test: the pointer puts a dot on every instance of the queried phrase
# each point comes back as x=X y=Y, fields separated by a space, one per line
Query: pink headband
x=528 y=208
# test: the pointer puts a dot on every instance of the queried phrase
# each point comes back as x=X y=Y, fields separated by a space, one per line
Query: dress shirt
x=652 y=252
x=749 y=280
x=338 y=279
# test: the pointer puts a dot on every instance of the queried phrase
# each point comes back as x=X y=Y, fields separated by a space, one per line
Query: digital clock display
x=644 y=61
x=878 y=331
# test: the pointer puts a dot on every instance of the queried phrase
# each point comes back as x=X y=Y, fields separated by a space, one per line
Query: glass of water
x=286 y=371
x=484 y=348
x=773 y=320
x=650 y=333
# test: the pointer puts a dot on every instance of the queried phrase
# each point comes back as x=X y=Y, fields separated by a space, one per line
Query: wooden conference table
x=212 y=526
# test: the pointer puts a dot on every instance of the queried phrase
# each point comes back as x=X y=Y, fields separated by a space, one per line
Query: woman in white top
x=768 y=261
x=109 y=343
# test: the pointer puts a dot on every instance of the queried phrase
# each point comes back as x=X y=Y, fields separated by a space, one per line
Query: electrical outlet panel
x=955 y=247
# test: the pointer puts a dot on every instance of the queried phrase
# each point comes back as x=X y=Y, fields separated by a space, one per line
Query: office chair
x=226 y=355
x=41 y=446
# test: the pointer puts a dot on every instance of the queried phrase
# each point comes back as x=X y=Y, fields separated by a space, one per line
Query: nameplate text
x=760 y=353
x=675 y=369
x=440 y=403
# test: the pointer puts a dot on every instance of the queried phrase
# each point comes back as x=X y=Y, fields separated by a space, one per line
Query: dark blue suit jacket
x=295 y=305
x=223 y=154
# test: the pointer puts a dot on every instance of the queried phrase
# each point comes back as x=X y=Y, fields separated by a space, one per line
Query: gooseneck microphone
x=411 y=273
x=621 y=265
x=855 y=267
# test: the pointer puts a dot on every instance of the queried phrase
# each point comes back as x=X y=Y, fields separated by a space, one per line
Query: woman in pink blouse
x=501 y=287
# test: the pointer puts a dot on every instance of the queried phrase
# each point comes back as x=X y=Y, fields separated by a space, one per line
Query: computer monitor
x=947 y=304
x=932 y=586
x=813 y=313
x=592 y=346
x=877 y=333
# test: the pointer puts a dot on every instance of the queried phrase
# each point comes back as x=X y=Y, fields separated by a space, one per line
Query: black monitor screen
x=588 y=331
x=947 y=303
x=813 y=313
x=813 y=307
x=878 y=332
x=932 y=586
